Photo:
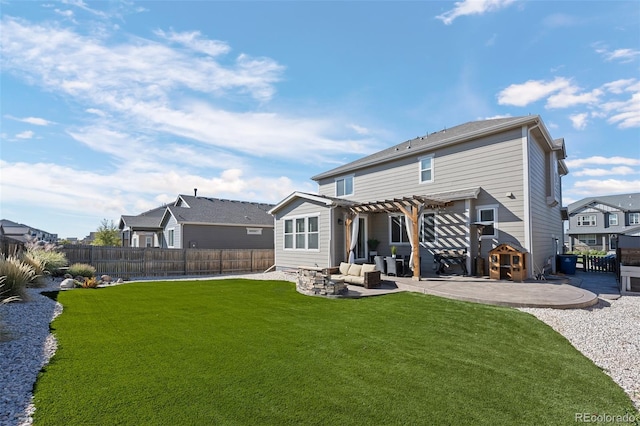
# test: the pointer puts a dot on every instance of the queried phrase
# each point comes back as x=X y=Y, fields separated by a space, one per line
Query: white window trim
x=395 y=243
x=581 y=222
x=590 y=241
x=170 y=237
x=431 y=157
x=493 y=207
x=342 y=178
x=635 y=215
x=306 y=232
x=613 y=222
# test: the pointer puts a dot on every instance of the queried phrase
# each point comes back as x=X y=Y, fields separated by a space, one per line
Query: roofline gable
x=297 y=194
x=497 y=128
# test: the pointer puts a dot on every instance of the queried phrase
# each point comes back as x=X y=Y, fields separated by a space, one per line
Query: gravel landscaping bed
x=605 y=333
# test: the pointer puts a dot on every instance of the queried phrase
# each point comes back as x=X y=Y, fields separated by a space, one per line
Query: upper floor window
x=613 y=219
x=344 y=186
x=587 y=220
x=171 y=237
x=634 y=218
x=426 y=169
x=488 y=215
x=302 y=233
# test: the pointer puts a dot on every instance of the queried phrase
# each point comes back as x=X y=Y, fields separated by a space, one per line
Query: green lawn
x=257 y=352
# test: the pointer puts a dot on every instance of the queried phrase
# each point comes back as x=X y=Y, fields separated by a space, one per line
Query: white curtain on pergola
x=409 y=226
x=355 y=228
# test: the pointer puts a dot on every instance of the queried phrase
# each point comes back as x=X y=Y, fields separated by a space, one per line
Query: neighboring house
x=143 y=230
x=470 y=187
x=20 y=232
x=201 y=222
x=596 y=222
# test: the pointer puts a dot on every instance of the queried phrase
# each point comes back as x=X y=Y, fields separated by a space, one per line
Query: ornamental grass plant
x=82 y=270
x=17 y=275
x=257 y=352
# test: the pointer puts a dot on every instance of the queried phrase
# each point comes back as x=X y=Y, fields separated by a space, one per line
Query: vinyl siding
x=177 y=235
x=546 y=223
x=292 y=258
x=225 y=237
x=494 y=163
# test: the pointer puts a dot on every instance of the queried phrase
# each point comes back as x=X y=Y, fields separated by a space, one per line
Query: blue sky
x=112 y=108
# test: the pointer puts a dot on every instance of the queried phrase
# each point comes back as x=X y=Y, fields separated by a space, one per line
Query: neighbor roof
x=204 y=210
x=624 y=202
x=467 y=131
x=147 y=220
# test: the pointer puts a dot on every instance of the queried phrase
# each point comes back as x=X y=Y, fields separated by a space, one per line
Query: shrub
x=82 y=269
x=52 y=260
x=38 y=266
x=90 y=283
x=18 y=274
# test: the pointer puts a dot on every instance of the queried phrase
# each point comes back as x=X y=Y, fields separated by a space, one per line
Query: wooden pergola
x=412 y=207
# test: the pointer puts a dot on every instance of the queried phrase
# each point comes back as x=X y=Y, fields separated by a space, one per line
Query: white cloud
x=100 y=192
x=599 y=160
x=472 y=7
x=359 y=129
x=620 y=170
x=27 y=134
x=89 y=68
x=570 y=97
x=579 y=120
x=194 y=41
x=603 y=102
x=604 y=187
x=620 y=55
x=531 y=91
x=36 y=121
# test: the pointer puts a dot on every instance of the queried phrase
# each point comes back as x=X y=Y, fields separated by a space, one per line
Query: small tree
x=108 y=234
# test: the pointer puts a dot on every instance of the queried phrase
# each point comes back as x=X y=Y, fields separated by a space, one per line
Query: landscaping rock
x=68 y=283
x=106 y=279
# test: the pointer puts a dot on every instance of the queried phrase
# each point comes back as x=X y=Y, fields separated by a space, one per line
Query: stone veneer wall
x=316 y=283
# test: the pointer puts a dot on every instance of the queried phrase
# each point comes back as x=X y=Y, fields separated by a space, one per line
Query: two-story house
x=470 y=187
x=596 y=222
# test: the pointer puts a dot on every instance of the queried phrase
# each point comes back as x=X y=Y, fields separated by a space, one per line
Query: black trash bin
x=568 y=263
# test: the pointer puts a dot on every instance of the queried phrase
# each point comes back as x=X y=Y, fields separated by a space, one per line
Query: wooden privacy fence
x=131 y=262
x=9 y=246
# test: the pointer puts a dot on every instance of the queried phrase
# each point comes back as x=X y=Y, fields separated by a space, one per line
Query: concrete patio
x=561 y=292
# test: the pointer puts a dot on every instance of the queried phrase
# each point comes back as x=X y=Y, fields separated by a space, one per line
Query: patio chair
x=391 y=266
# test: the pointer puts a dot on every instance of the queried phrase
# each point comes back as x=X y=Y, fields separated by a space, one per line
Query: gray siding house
x=202 y=222
x=596 y=222
x=467 y=188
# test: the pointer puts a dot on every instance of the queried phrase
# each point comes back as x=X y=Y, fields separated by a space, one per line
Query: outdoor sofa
x=365 y=275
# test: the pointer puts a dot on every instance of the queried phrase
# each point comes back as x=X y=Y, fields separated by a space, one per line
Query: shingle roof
x=193 y=209
x=150 y=219
x=626 y=202
x=428 y=142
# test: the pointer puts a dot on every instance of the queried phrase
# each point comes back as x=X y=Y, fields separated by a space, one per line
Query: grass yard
x=256 y=352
